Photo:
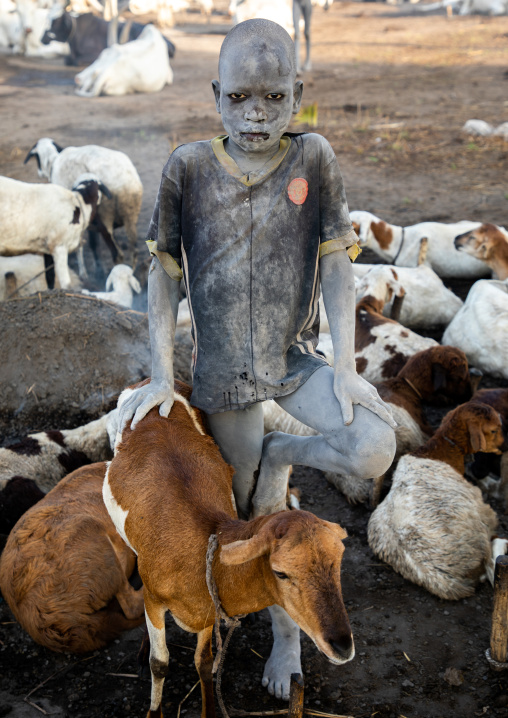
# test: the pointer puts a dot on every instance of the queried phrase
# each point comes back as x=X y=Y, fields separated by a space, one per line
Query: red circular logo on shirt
x=298 y=190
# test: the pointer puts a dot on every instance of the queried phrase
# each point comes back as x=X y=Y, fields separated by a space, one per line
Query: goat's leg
x=203 y=658
x=116 y=252
x=132 y=236
x=60 y=257
x=131 y=601
x=50 y=271
x=159 y=655
x=83 y=274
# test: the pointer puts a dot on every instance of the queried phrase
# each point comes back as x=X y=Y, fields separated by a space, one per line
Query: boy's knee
x=373 y=449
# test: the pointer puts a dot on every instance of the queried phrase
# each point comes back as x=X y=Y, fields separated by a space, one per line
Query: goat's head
x=91 y=189
x=481 y=242
x=442 y=375
x=45 y=152
x=120 y=276
x=474 y=427
x=303 y=556
x=382 y=283
x=371 y=230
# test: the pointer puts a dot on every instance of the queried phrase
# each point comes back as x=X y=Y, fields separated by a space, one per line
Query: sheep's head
x=45 y=152
x=91 y=189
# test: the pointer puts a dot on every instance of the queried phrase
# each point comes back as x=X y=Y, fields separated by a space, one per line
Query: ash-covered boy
x=256 y=221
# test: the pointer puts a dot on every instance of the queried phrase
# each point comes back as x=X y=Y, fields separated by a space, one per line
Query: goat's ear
x=239 y=552
x=136 y=286
x=109 y=282
x=337 y=530
x=476 y=436
x=57 y=147
x=438 y=377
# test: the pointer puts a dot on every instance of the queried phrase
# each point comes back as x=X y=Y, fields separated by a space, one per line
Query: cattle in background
x=87 y=36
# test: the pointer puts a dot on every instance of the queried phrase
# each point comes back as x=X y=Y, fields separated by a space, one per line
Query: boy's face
x=256 y=97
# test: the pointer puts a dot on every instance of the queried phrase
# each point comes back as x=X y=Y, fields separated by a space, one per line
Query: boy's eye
x=274 y=96
x=237 y=96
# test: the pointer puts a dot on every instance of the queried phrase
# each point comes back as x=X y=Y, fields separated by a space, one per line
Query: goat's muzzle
x=342 y=649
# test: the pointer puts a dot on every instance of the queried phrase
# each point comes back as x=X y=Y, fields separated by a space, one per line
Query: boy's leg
x=364 y=449
x=239 y=435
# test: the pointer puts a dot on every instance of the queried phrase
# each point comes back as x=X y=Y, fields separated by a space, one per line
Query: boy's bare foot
x=285 y=656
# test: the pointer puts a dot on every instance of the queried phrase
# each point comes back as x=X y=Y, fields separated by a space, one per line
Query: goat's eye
x=281 y=575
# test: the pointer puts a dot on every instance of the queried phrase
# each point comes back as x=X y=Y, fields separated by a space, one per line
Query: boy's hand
x=352 y=389
x=145 y=398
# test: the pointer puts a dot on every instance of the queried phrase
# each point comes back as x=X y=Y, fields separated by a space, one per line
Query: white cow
x=138 y=66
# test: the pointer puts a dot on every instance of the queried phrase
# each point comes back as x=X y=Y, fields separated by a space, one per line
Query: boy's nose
x=255 y=114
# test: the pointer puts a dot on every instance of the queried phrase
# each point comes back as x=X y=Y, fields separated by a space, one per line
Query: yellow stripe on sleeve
x=168 y=263
x=347 y=241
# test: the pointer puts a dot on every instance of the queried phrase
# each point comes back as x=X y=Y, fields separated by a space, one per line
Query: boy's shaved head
x=261 y=38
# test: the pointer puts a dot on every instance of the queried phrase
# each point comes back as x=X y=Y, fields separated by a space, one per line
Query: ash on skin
x=256 y=96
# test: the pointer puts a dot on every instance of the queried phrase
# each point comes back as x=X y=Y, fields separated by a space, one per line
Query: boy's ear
x=297 y=96
x=216 y=92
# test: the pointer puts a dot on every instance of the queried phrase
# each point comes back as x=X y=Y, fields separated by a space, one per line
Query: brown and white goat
x=498 y=400
x=489 y=244
x=382 y=345
x=433 y=527
x=64 y=565
x=167 y=490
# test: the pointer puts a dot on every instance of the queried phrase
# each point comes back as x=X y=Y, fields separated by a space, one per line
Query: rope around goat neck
x=220 y=614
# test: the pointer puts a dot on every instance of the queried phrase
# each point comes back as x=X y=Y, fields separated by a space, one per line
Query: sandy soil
x=393 y=92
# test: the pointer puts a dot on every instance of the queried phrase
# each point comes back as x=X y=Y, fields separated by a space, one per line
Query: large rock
x=65 y=357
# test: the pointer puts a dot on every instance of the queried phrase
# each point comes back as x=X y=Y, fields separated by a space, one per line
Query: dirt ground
x=393 y=91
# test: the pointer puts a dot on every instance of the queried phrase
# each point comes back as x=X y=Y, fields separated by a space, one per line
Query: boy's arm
x=163 y=300
x=338 y=287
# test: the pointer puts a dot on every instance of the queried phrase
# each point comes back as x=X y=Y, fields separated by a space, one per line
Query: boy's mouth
x=255 y=136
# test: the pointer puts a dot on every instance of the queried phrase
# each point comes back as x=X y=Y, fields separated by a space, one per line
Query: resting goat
x=167 y=490
x=433 y=527
x=480 y=328
x=120 y=285
x=47 y=219
x=64 y=564
x=382 y=345
x=47 y=456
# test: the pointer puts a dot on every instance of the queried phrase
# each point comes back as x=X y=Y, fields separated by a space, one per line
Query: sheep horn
x=105 y=191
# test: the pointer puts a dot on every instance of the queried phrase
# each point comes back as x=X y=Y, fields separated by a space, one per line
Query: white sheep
x=11 y=30
x=29 y=273
x=433 y=527
x=141 y=65
x=480 y=328
x=47 y=219
x=62 y=166
x=120 y=285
